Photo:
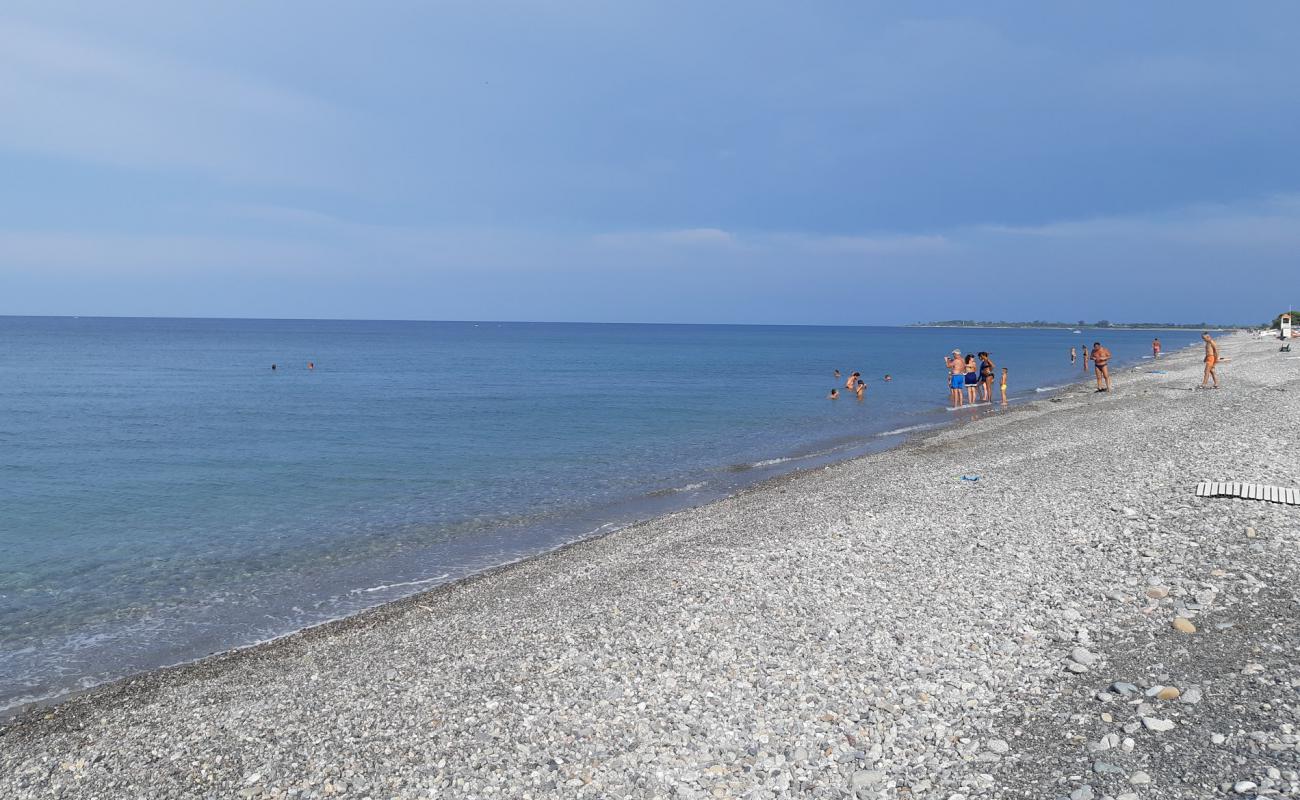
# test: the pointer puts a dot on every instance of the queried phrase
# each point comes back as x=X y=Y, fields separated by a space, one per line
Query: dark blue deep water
x=164 y=494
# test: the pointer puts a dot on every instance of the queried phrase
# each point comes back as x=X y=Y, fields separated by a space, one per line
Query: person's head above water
x=835 y=393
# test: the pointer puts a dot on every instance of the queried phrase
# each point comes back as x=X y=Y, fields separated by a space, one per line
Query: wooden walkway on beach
x=1249 y=491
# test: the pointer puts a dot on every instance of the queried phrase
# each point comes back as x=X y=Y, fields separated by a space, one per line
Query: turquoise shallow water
x=165 y=495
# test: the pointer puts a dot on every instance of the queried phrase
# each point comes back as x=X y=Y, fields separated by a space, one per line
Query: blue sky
x=847 y=163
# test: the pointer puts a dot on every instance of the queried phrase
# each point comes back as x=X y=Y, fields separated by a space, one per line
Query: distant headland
x=1038 y=323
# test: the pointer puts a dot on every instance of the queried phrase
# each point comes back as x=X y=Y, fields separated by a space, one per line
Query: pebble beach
x=1076 y=623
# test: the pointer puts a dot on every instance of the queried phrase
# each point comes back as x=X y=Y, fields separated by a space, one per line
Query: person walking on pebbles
x=1101 y=366
x=1211 y=359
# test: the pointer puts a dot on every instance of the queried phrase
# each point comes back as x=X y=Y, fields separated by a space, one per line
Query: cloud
x=318 y=264
x=686 y=237
x=1273 y=222
x=70 y=96
x=62 y=254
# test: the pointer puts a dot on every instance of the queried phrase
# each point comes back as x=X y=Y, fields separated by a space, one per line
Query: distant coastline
x=1100 y=325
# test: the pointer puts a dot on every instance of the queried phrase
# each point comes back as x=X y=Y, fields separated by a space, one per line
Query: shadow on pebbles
x=1195 y=698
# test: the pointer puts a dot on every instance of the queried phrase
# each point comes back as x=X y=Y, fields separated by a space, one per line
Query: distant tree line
x=1038 y=323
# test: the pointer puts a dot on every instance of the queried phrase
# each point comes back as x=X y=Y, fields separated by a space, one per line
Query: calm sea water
x=164 y=494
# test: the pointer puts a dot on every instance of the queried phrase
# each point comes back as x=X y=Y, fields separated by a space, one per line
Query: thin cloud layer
x=647 y=161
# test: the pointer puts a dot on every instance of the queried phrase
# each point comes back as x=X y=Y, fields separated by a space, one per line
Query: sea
x=165 y=494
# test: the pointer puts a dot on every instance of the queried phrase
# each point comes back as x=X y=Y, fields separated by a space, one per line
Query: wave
x=384 y=586
x=690 y=487
x=908 y=429
x=1051 y=388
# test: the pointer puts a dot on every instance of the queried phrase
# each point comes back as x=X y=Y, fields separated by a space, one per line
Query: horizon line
x=1001 y=324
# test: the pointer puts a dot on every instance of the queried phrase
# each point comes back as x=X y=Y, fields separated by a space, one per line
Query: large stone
x=1081 y=655
x=1184 y=625
x=1157 y=725
x=866 y=778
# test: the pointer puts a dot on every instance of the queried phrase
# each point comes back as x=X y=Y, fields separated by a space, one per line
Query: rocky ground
x=1076 y=623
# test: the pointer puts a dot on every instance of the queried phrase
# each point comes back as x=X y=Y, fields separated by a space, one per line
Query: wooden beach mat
x=1249 y=491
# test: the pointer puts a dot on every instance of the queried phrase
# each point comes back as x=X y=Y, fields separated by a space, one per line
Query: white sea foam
x=382 y=587
x=1050 y=388
x=771 y=462
x=908 y=429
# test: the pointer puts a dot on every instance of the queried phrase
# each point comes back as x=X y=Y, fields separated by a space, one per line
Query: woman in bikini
x=987 y=368
x=972 y=378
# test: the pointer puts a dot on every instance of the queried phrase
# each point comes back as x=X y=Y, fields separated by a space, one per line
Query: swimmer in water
x=1074 y=355
x=860 y=389
x=853 y=380
x=311 y=365
x=834 y=395
x=837 y=374
x=273 y=368
x=888 y=377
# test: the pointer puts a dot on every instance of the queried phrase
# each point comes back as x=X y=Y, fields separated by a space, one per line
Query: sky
x=755 y=162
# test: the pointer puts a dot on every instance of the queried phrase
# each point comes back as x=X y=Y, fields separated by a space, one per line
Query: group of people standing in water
x=972 y=377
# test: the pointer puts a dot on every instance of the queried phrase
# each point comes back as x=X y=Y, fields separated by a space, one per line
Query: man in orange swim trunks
x=1211 y=358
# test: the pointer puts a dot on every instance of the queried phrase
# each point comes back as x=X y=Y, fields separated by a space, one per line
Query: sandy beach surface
x=879 y=628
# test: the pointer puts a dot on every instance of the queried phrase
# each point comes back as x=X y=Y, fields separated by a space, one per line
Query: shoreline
x=827 y=630
x=870 y=446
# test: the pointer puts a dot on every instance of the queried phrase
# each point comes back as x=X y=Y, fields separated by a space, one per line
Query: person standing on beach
x=1101 y=366
x=1211 y=358
x=972 y=378
x=956 y=377
x=1004 y=386
x=987 y=368
x=1155 y=347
